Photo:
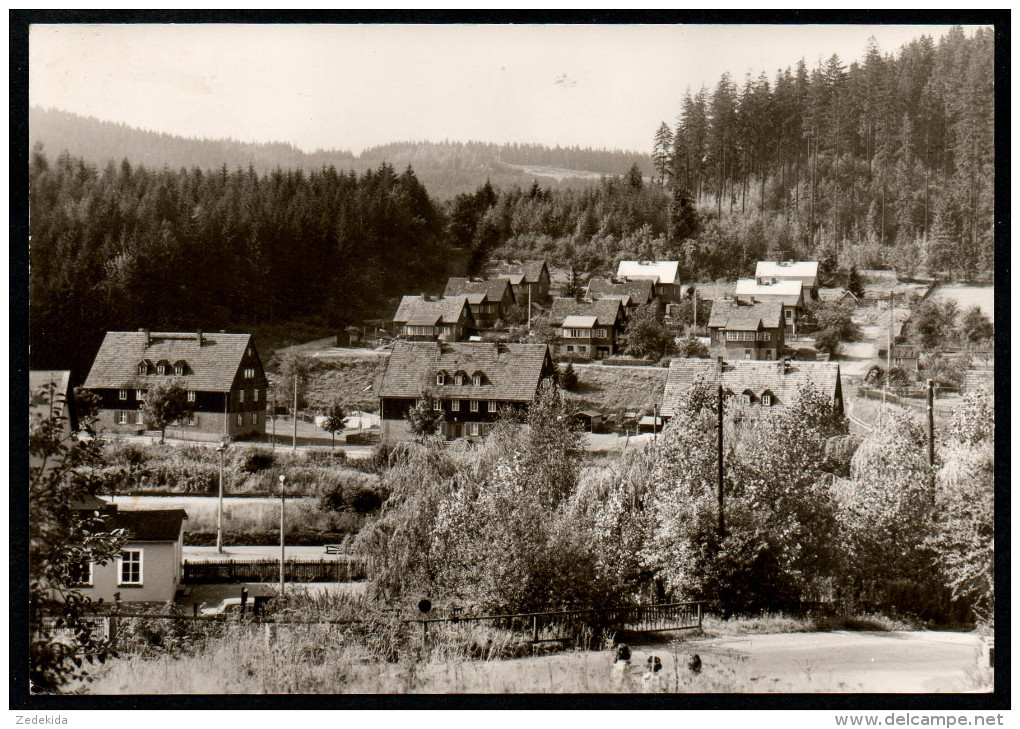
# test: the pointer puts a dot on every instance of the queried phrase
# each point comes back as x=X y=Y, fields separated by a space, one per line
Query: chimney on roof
x=200 y=340
x=148 y=338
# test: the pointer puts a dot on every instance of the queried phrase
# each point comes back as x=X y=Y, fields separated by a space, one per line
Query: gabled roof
x=419 y=311
x=791 y=292
x=836 y=293
x=606 y=311
x=520 y=272
x=150 y=525
x=730 y=314
x=787 y=269
x=663 y=272
x=493 y=289
x=781 y=379
x=640 y=291
x=211 y=366
x=511 y=372
x=580 y=322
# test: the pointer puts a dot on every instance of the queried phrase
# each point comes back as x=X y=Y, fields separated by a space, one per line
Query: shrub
x=253 y=460
x=568 y=379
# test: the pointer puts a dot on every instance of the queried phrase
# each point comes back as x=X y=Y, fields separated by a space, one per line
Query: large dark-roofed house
x=586 y=328
x=429 y=317
x=632 y=293
x=222 y=373
x=748 y=331
x=490 y=300
x=527 y=276
x=768 y=384
x=470 y=381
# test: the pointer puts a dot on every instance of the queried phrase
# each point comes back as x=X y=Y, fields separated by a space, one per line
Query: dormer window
x=476 y=379
x=458 y=379
x=179 y=367
x=748 y=397
x=440 y=378
x=766 y=400
x=143 y=367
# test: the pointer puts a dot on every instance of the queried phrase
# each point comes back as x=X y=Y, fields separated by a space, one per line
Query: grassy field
x=617 y=389
x=967 y=296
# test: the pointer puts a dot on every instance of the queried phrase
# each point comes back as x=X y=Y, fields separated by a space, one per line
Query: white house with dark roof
x=222 y=373
x=471 y=382
x=149 y=567
x=428 y=318
x=766 y=384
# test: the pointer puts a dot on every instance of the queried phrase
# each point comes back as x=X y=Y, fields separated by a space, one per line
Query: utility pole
x=931 y=424
x=294 y=444
x=283 y=504
x=219 y=504
x=888 y=354
x=722 y=522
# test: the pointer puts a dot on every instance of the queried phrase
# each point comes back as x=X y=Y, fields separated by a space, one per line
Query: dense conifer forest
x=885 y=162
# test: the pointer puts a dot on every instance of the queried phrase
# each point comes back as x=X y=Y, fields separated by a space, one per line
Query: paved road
x=886 y=662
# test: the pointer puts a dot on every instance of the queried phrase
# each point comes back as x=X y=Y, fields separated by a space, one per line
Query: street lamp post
x=283 y=503
x=219 y=503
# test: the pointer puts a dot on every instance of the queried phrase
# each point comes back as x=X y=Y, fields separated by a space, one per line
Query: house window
x=474 y=428
x=492 y=406
x=747 y=354
x=81 y=574
x=764 y=336
x=477 y=380
x=459 y=380
x=455 y=406
x=474 y=406
x=122 y=395
x=254 y=418
x=789 y=315
x=161 y=369
x=570 y=347
x=189 y=419
x=179 y=369
x=747 y=398
x=143 y=369
x=256 y=394
x=139 y=417
x=600 y=333
x=140 y=395
x=191 y=396
x=121 y=417
x=130 y=567
x=437 y=404
x=240 y=396
x=766 y=400
x=240 y=419
x=440 y=379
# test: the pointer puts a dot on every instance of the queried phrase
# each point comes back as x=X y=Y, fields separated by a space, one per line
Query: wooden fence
x=351 y=569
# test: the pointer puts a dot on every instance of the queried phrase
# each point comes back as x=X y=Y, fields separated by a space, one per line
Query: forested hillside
x=894 y=152
x=123 y=248
x=445 y=168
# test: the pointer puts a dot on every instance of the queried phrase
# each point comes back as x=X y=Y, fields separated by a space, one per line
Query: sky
x=356 y=86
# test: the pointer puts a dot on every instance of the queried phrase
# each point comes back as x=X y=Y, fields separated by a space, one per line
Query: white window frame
x=764 y=336
x=473 y=407
x=746 y=398
x=143 y=369
x=254 y=418
x=139 y=417
x=140 y=395
x=600 y=333
x=440 y=378
x=122 y=395
x=789 y=315
x=191 y=396
x=189 y=419
x=161 y=369
x=458 y=380
x=748 y=354
x=240 y=395
x=492 y=406
x=455 y=406
x=121 y=417
x=178 y=369
x=476 y=380
x=766 y=400
x=141 y=567
x=437 y=405
x=256 y=394
x=240 y=418
x=474 y=428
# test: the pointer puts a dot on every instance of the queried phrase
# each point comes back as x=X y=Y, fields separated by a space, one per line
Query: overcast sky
x=351 y=87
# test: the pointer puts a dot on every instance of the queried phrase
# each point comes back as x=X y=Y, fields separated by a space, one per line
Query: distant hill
x=445 y=168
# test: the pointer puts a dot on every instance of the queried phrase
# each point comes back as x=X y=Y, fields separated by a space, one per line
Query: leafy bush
x=568 y=378
x=253 y=460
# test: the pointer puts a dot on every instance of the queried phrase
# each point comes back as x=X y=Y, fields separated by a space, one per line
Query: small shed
x=589 y=419
x=650 y=424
